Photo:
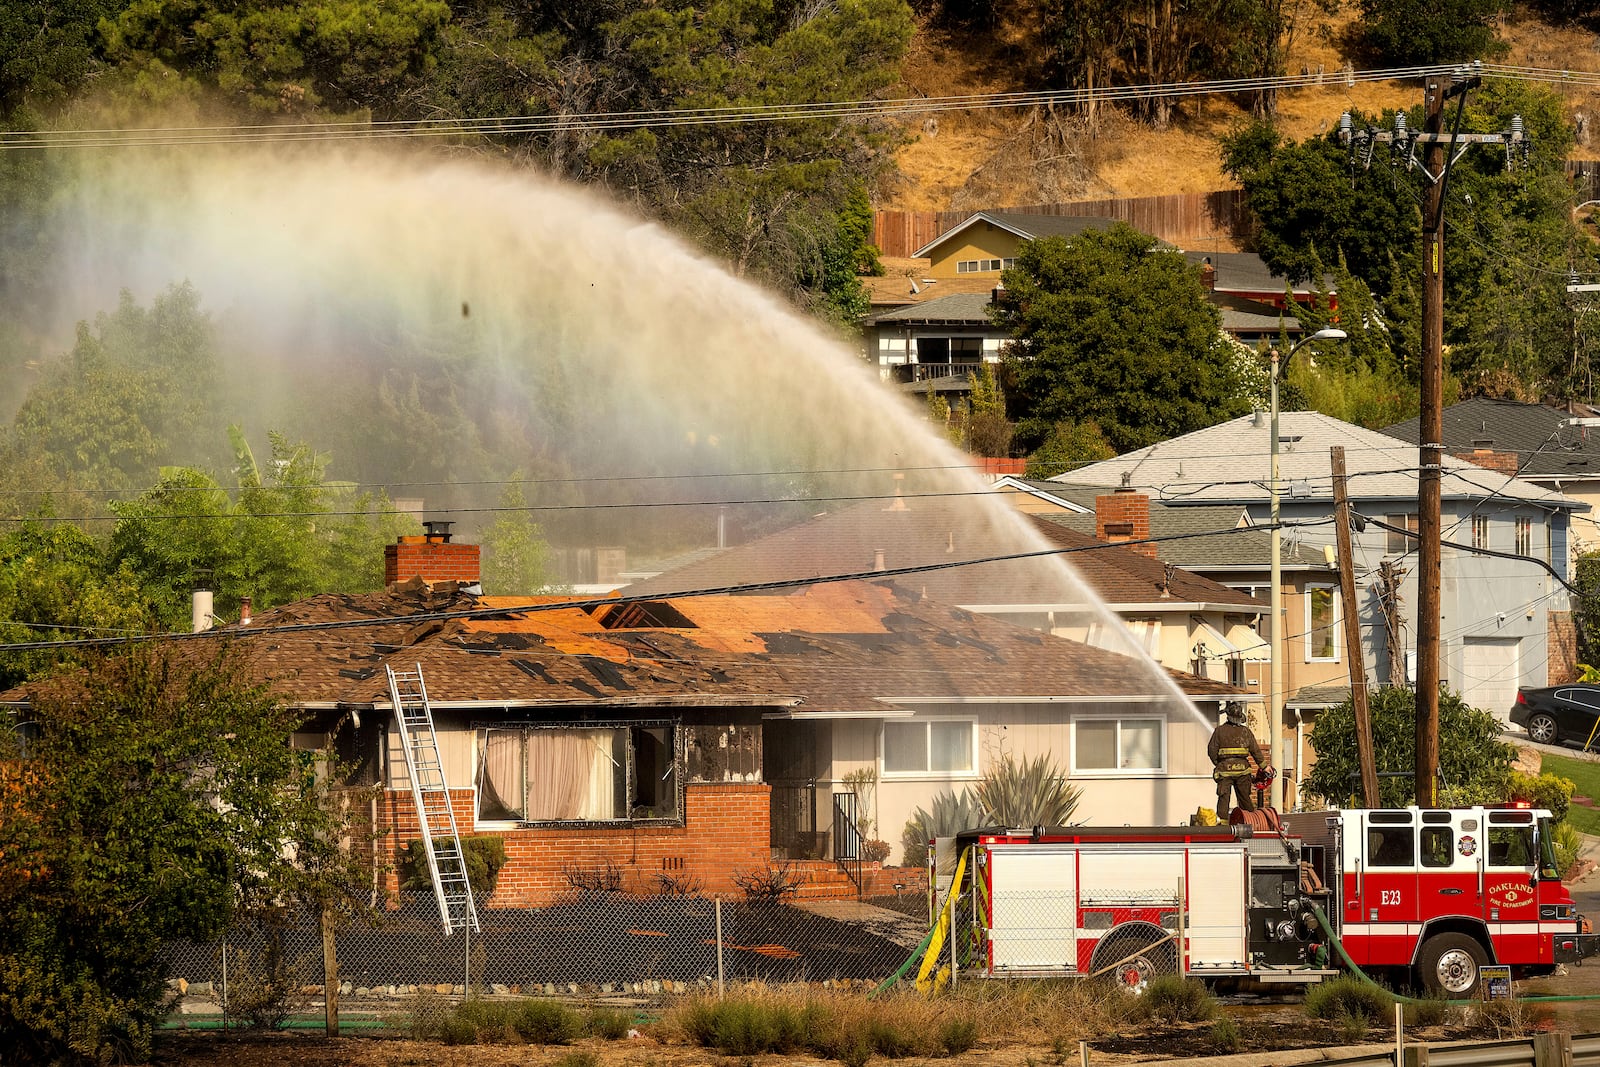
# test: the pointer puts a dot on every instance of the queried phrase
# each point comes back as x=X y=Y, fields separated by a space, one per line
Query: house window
x=1102 y=745
x=977 y=266
x=1480 y=531
x=933 y=746
x=1397 y=541
x=1321 y=621
x=578 y=774
x=1524 y=536
x=966 y=350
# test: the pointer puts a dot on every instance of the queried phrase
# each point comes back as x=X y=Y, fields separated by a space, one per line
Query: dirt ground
x=956 y=160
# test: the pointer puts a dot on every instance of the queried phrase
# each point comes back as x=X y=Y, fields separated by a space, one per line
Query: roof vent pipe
x=877 y=560
x=201 y=605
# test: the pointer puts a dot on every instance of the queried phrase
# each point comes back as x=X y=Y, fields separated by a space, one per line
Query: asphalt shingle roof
x=1546 y=447
x=957 y=307
x=1231 y=462
x=932 y=530
x=846 y=646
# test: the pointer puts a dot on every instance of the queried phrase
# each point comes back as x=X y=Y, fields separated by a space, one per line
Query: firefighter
x=1232 y=747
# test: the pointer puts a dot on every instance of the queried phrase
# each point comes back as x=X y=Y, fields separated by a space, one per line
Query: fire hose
x=1362 y=976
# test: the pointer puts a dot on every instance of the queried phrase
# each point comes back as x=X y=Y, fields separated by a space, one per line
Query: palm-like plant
x=1030 y=793
x=948 y=815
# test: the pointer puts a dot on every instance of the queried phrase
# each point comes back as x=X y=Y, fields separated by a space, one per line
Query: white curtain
x=500 y=787
x=571 y=774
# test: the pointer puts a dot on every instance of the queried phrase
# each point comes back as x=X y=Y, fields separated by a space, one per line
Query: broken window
x=577 y=774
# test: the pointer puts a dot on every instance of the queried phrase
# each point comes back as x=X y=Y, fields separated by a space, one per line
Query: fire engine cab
x=1421 y=893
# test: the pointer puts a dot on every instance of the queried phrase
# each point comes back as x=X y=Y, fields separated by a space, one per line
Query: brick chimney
x=1208 y=275
x=431 y=557
x=1484 y=455
x=1124 y=516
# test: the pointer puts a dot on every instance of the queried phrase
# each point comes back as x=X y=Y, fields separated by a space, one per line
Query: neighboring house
x=1548 y=446
x=930 y=330
x=1505 y=622
x=1239 y=558
x=934 y=345
x=682 y=738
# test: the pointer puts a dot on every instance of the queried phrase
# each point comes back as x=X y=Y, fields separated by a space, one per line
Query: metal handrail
x=847 y=839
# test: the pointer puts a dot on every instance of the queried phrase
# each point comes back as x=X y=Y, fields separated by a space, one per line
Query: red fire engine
x=1421 y=893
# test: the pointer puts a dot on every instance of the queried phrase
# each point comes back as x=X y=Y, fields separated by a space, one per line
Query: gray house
x=1506 y=620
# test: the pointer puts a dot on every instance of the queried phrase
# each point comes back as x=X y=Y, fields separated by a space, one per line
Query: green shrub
x=856 y=1051
x=1429 y=1011
x=957 y=1035
x=1349 y=996
x=455 y=1030
x=1225 y=1036
x=485 y=855
x=1549 y=791
x=744 y=1027
x=491 y=1021
x=1178 y=1000
x=612 y=1024
x=1352 y=1026
x=891 y=1040
x=545 y=1022
x=949 y=814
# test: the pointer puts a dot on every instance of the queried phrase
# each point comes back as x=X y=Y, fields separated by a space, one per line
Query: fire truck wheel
x=1542 y=728
x=1449 y=965
x=1141 y=951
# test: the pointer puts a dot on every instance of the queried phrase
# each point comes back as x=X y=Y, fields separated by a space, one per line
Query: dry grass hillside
x=961 y=160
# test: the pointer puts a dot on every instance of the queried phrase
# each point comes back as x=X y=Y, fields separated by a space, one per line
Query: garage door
x=1491 y=669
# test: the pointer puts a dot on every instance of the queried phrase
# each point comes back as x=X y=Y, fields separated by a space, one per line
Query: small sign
x=1495 y=979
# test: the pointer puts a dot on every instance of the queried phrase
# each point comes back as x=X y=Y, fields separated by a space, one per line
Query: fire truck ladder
x=447 y=866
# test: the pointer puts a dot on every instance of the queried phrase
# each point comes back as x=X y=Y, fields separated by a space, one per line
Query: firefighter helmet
x=1236 y=713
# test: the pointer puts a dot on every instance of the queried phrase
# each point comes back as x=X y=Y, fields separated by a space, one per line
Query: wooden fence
x=1189 y=220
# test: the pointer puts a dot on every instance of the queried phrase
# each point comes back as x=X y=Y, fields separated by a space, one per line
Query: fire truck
x=1418 y=894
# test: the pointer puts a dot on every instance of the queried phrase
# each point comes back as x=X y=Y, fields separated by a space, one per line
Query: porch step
x=823 y=880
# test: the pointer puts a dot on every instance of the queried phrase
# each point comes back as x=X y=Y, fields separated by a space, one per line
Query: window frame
x=1524 y=541
x=675 y=742
x=1119 y=771
x=1480 y=531
x=1398 y=544
x=927 y=748
x=1334 y=618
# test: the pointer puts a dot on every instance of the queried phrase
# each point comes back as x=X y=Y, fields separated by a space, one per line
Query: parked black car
x=1555 y=713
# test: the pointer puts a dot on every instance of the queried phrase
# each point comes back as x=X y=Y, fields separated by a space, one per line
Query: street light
x=1275 y=691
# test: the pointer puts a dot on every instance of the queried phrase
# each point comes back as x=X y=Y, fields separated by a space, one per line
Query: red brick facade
x=432 y=560
x=1561 y=656
x=1124 y=516
x=726 y=831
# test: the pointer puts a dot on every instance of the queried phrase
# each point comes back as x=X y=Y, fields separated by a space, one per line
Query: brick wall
x=432 y=560
x=1561 y=657
x=726 y=831
x=1124 y=517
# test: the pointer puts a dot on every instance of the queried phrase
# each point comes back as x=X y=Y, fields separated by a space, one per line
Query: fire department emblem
x=1509 y=894
x=1467 y=845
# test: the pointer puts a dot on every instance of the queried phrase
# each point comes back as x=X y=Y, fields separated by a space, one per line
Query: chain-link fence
x=589 y=944
x=1128 y=936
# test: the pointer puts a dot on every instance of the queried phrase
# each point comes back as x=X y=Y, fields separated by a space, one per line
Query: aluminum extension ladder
x=446 y=862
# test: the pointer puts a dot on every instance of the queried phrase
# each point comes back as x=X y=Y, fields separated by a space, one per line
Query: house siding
x=1024 y=731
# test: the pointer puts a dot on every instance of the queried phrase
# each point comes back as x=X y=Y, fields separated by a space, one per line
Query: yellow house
x=987 y=243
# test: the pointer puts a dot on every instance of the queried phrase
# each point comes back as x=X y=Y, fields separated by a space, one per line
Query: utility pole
x=1352 y=632
x=1430 y=434
x=1440 y=152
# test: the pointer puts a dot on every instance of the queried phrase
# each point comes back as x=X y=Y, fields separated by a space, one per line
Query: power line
x=658 y=118
x=745 y=587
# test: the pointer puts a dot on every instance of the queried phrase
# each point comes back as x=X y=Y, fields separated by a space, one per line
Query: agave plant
x=1030 y=793
x=949 y=814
